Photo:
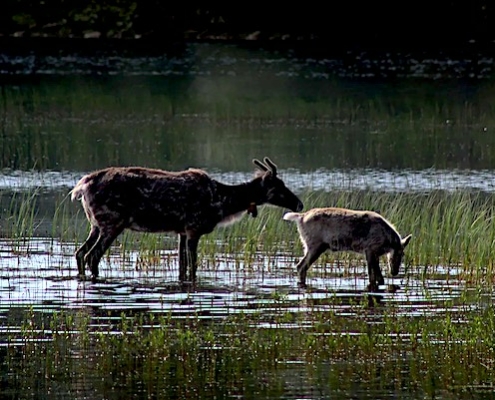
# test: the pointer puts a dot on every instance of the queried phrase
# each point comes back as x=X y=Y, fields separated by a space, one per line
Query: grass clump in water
x=450 y=230
x=20 y=220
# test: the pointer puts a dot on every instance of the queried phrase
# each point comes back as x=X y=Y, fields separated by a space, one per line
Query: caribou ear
x=405 y=241
x=271 y=164
x=260 y=165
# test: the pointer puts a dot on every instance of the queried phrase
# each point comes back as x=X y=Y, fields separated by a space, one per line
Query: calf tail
x=293 y=216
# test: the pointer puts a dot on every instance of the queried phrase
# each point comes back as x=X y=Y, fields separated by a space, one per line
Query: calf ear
x=405 y=241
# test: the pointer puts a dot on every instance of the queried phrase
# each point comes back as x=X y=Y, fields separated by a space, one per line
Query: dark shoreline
x=77 y=56
x=47 y=45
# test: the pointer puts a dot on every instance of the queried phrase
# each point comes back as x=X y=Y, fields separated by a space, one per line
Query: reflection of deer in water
x=189 y=203
x=339 y=229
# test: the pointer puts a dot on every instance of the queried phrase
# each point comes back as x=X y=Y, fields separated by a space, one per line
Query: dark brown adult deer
x=339 y=229
x=189 y=203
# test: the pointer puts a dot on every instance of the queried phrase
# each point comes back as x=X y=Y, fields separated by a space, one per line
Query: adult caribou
x=189 y=203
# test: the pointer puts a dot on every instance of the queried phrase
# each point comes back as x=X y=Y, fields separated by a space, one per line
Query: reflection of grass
x=78 y=124
x=253 y=353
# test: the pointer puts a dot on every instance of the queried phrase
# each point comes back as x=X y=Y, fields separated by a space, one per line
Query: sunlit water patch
x=321 y=179
x=45 y=278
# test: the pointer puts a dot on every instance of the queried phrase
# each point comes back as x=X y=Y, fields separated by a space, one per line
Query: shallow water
x=40 y=278
x=238 y=59
x=45 y=277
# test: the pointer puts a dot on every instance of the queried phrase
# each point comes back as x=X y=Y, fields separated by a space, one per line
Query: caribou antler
x=268 y=165
x=272 y=166
x=260 y=165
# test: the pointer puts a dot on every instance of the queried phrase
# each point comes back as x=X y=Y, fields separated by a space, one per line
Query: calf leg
x=105 y=240
x=88 y=244
x=309 y=258
x=374 y=273
x=378 y=274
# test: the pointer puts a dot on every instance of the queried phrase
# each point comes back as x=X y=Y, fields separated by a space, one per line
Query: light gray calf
x=339 y=229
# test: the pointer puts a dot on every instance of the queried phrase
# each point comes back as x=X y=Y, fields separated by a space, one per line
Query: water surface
x=42 y=281
x=353 y=121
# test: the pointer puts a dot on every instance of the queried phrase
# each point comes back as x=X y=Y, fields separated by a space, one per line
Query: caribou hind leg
x=105 y=240
x=86 y=246
x=309 y=258
x=182 y=257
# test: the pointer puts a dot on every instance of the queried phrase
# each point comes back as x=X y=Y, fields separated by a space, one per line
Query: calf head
x=395 y=256
x=274 y=189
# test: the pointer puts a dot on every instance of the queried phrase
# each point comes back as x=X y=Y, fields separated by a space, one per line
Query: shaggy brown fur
x=189 y=203
x=339 y=229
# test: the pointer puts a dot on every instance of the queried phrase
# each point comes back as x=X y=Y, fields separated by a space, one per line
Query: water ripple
x=321 y=179
x=221 y=59
x=44 y=278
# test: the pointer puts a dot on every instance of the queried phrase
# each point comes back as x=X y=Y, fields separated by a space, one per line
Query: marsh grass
x=450 y=229
x=252 y=353
x=55 y=123
x=20 y=219
x=66 y=224
x=34 y=213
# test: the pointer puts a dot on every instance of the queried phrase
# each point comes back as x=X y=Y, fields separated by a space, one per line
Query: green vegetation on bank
x=444 y=22
x=80 y=124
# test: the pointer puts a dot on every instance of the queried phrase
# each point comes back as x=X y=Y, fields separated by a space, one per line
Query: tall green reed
x=450 y=229
x=20 y=218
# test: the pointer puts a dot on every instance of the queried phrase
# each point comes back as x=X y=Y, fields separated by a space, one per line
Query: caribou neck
x=243 y=197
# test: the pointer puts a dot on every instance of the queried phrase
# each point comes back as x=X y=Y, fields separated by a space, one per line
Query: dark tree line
x=336 y=21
